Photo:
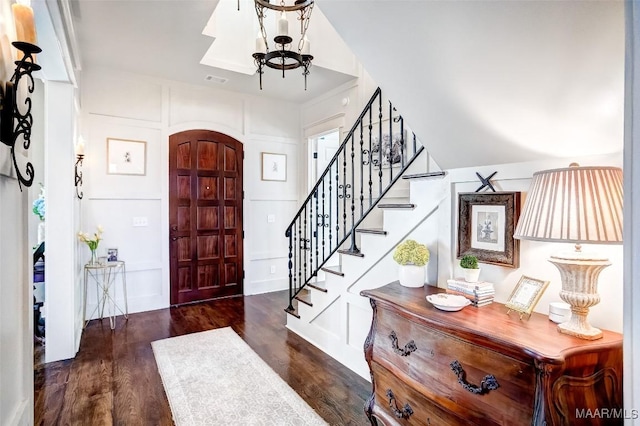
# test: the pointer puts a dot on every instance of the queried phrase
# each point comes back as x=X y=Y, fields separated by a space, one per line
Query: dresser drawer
x=427 y=366
x=399 y=404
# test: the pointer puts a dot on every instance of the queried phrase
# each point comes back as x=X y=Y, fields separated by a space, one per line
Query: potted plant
x=412 y=257
x=469 y=265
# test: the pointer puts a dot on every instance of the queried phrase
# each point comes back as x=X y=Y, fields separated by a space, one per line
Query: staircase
x=370 y=197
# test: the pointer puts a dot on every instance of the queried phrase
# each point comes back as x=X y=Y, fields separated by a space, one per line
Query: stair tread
x=304 y=296
x=377 y=231
x=397 y=206
x=292 y=312
x=427 y=175
x=320 y=286
x=336 y=270
x=350 y=253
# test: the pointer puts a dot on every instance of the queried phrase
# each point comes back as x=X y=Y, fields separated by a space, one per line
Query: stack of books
x=480 y=293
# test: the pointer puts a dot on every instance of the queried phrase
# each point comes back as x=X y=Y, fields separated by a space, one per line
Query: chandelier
x=281 y=57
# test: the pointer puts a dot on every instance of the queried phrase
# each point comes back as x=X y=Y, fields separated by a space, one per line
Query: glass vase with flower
x=92 y=242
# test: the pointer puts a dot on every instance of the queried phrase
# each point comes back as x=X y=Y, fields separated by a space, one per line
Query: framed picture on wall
x=274 y=166
x=486 y=223
x=126 y=157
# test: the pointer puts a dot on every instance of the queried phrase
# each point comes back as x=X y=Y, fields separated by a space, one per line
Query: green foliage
x=411 y=252
x=469 y=261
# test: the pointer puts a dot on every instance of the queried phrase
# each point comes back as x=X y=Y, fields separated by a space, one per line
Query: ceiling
x=164 y=39
x=498 y=81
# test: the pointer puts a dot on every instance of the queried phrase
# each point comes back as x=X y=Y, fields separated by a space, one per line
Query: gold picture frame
x=526 y=295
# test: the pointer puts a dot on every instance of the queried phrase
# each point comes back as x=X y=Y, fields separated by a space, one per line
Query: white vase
x=412 y=275
x=40 y=232
x=471 y=275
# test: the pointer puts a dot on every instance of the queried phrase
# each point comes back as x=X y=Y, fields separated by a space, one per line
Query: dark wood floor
x=114 y=380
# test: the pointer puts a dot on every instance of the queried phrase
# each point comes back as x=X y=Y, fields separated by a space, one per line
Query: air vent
x=216 y=79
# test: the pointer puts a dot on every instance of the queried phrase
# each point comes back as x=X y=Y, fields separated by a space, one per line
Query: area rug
x=215 y=378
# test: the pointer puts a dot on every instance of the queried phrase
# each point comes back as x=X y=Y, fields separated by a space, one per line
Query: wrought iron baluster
x=305 y=247
x=361 y=172
x=312 y=236
x=390 y=154
x=344 y=194
x=402 y=142
x=330 y=210
x=323 y=222
x=300 y=252
x=370 y=158
x=415 y=145
x=380 y=144
x=353 y=248
x=337 y=198
x=290 y=307
x=296 y=255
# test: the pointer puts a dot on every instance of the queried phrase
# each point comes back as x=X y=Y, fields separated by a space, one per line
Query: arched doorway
x=205 y=216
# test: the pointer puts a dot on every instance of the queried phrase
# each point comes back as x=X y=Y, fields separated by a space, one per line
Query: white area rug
x=215 y=378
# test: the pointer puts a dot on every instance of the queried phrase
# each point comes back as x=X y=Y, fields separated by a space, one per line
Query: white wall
x=127 y=106
x=533 y=255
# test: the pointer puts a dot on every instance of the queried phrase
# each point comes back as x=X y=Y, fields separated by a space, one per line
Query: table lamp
x=580 y=205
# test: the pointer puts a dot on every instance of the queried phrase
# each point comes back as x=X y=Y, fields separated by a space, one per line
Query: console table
x=105 y=275
x=482 y=366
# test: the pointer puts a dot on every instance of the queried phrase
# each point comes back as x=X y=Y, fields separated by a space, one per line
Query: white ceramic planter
x=471 y=275
x=412 y=275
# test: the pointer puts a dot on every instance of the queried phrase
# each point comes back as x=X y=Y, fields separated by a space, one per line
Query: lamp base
x=579 y=275
x=578 y=326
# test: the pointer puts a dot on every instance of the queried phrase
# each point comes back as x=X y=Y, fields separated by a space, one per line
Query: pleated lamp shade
x=573 y=205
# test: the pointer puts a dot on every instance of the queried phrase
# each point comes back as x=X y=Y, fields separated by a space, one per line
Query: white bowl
x=559 y=312
x=448 y=302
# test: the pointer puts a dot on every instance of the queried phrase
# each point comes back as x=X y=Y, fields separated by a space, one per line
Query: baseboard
x=266 y=286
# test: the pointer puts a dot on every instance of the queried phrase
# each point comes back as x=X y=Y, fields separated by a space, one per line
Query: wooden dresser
x=482 y=366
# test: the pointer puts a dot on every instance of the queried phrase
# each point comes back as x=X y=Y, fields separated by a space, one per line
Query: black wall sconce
x=78 y=165
x=15 y=123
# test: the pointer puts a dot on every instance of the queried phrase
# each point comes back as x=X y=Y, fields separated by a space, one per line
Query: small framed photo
x=525 y=295
x=126 y=157
x=274 y=166
x=486 y=223
x=112 y=255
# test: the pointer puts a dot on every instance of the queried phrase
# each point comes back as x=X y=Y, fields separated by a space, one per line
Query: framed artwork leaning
x=525 y=295
x=486 y=223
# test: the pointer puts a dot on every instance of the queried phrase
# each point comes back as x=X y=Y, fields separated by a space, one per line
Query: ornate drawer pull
x=406 y=411
x=487 y=384
x=408 y=348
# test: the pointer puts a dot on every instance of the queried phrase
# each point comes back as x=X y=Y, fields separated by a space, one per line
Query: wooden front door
x=205 y=216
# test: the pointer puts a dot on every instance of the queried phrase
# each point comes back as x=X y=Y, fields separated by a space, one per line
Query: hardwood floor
x=113 y=380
